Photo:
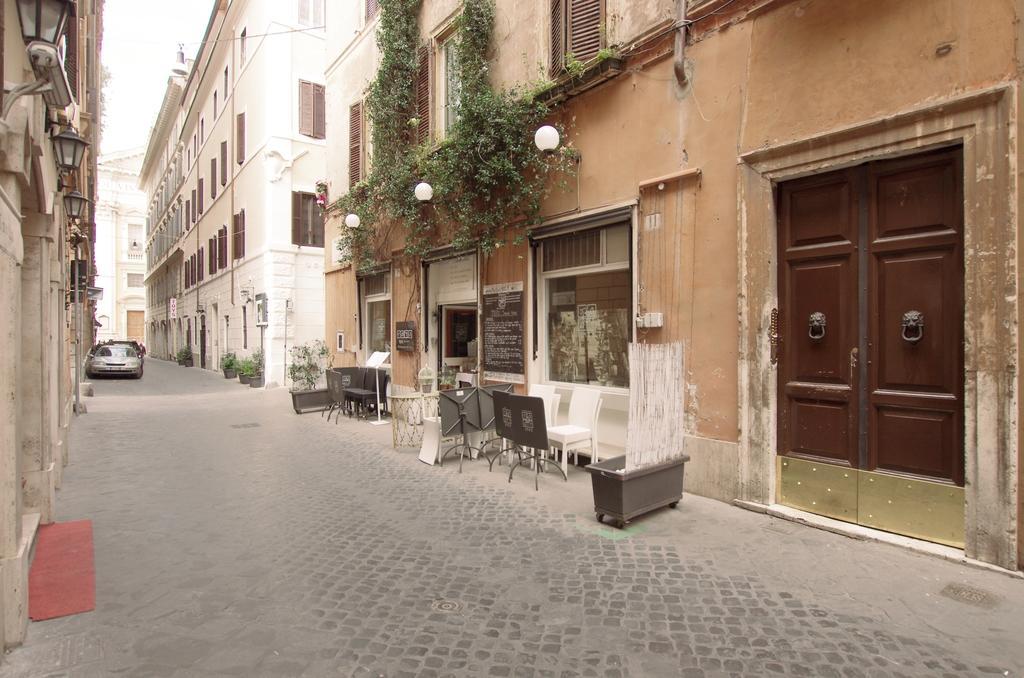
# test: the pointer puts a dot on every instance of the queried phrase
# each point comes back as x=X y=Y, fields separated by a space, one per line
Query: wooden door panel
x=821 y=428
x=915 y=196
x=923 y=282
x=819 y=211
x=916 y=441
x=915 y=263
x=820 y=286
x=818 y=274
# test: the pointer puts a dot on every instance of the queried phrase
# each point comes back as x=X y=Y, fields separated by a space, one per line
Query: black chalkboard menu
x=405 y=336
x=504 y=357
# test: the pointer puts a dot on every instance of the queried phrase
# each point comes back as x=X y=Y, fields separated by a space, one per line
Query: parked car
x=118 y=358
x=140 y=350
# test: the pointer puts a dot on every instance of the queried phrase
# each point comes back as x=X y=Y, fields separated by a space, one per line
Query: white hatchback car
x=114 y=359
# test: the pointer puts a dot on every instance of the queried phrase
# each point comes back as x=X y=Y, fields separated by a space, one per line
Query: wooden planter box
x=230 y=374
x=310 y=401
x=243 y=378
x=624 y=496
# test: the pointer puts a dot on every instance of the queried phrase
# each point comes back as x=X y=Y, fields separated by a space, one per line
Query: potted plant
x=446 y=380
x=307 y=367
x=184 y=356
x=650 y=474
x=229 y=364
x=246 y=369
x=256 y=380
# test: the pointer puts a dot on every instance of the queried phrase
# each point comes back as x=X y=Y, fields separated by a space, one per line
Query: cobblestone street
x=233 y=537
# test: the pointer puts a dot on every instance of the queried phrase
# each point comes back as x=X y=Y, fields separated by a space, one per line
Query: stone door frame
x=983 y=122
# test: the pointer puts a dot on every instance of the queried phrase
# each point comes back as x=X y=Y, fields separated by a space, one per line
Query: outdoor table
x=407 y=413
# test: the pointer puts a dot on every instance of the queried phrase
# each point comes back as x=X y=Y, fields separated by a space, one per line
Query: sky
x=140 y=42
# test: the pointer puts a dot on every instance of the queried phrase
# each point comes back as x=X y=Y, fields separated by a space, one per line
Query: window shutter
x=296 y=218
x=355 y=145
x=305 y=108
x=202 y=196
x=223 y=163
x=319 y=112
x=71 y=55
x=317 y=219
x=241 y=238
x=235 y=247
x=223 y=247
x=372 y=7
x=213 y=178
x=212 y=244
x=318 y=12
x=585 y=28
x=188 y=214
x=423 y=94
x=240 y=138
x=557 y=37
x=304 y=17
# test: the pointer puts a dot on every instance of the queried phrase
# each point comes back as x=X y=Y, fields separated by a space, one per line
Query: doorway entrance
x=871 y=345
x=202 y=341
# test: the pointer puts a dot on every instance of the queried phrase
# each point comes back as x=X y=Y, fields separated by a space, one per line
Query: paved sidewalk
x=234 y=537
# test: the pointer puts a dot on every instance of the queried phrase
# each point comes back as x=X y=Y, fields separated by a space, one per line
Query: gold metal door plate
x=909 y=506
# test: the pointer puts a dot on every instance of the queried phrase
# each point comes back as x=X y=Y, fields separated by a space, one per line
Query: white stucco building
x=120 y=245
x=234 y=238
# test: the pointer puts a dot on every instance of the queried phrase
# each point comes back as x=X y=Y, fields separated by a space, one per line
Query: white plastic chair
x=581 y=431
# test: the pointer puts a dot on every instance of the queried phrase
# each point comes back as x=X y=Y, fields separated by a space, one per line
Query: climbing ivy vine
x=487 y=175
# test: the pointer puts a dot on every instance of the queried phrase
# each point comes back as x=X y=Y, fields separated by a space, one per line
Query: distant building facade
x=234 y=239
x=120 y=248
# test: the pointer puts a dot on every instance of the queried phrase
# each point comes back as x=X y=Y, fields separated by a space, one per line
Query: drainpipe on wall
x=679 y=49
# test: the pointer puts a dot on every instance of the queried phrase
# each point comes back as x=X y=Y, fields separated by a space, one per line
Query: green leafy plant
x=246 y=367
x=308 y=363
x=229 y=361
x=606 y=53
x=573 y=66
x=257 y=359
x=487 y=174
x=184 y=354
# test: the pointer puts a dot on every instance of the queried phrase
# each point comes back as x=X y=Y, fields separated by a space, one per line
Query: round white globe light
x=352 y=220
x=547 y=138
x=424 y=191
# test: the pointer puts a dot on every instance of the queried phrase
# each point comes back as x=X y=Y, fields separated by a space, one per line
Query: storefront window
x=588 y=286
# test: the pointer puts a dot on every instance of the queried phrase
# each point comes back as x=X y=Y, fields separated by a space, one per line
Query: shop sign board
x=172 y=308
x=504 y=355
x=405 y=336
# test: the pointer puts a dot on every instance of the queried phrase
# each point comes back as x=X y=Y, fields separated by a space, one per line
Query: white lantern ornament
x=352 y=220
x=424 y=191
x=547 y=139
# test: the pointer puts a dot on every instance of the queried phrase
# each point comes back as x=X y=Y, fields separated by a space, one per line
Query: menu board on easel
x=504 y=355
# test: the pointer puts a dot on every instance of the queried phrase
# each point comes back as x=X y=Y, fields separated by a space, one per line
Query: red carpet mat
x=62 y=580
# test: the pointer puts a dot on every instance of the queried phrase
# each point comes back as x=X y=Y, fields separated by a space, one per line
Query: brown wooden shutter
x=355 y=145
x=317 y=217
x=423 y=95
x=188 y=214
x=71 y=55
x=372 y=7
x=223 y=163
x=557 y=37
x=212 y=244
x=235 y=248
x=200 y=265
x=305 y=108
x=240 y=138
x=296 y=218
x=222 y=247
x=319 y=112
x=213 y=178
x=241 y=222
x=202 y=195
x=585 y=19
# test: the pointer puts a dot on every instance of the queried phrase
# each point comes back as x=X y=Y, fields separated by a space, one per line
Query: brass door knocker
x=912 y=326
x=816 y=326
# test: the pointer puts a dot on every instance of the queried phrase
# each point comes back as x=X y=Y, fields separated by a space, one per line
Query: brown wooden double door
x=870 y=332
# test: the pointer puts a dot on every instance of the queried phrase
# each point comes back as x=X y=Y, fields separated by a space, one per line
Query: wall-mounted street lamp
x=547 y=139
x=69 y=149
x=424 y=191
x=74 y=205
x=352 y=220
x=42 y=24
